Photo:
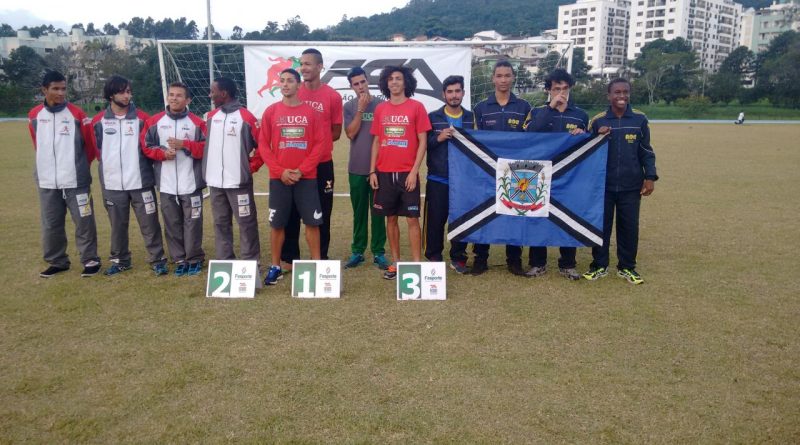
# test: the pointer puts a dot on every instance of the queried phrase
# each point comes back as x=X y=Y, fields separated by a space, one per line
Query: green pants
x=361 y=199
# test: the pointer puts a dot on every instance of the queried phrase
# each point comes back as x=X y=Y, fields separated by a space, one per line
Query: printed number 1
x=226 y=278
x=411 y=282
x=305 y=279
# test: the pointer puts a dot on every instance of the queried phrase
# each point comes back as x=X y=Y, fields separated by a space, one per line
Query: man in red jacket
x=290 y=144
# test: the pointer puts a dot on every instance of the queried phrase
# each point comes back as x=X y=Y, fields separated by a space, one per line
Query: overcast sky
x=225 y=14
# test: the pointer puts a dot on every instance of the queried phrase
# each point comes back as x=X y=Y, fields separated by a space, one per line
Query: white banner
x=431 y=66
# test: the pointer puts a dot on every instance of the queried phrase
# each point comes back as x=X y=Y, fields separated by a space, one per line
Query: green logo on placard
x=409 y=279
x=304 y=276
x=219 y=281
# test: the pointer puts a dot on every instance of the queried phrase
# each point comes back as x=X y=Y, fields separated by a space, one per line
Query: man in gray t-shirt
x=358 y=114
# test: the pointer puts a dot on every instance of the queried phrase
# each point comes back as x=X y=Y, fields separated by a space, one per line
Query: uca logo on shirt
x=292 y=120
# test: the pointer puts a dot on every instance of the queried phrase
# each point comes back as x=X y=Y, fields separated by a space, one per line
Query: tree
x=110 y=30
x=237 y=33
x=667 y=68
x=7 y=31
x=24 y=68
x=726 y=84
x=778 y=70
x=580 y=69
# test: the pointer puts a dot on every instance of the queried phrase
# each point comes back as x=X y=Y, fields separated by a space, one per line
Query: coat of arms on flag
x=529 y=189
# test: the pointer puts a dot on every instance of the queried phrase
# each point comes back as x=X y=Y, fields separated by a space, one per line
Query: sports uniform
x=490 y=115
x=64 y=145
x=437 y=188
x=291 y=138
x=358 y=177
x=228 y=171
x=631 y=160
x=545 y=119
x=328 y=103
x=180 y=182
x=397 y=127
x=128 y=181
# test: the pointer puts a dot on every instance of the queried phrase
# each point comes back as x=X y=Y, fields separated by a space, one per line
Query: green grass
x=714 y=112
x=706 y=351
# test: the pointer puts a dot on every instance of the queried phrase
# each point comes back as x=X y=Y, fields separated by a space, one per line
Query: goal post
x=188 y=61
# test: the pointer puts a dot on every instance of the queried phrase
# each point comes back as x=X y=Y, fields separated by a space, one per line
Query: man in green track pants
x=358 y=121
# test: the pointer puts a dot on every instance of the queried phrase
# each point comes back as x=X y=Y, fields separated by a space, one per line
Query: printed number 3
x=410 y=282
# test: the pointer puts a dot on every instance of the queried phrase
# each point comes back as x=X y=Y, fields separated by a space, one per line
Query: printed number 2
x=410 y=282
x=226 y=278
x=305 y=279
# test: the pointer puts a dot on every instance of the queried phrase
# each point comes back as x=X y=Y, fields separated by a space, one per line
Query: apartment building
x=600 y=27
x=712 y=27
x=759 y=27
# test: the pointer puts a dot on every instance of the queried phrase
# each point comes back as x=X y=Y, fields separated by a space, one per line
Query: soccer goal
x=191 y=62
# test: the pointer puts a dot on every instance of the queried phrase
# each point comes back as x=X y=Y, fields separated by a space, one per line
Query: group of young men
x=181 y=154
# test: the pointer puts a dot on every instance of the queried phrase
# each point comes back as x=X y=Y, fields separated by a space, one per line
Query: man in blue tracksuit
x=501 y=111
x=558 y=115
x=630 y=174
x=443 y=121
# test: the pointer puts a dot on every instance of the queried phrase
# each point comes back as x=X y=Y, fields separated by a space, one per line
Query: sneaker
x=194 y=269
x=569 y=273
x=354 y=260
x=391 y=273
x=381 y=261
x=479 y=267
x=595 y=273
x=273 y=275
x=516 y=269
x=91 y=269
x=160 y=268
x=181 y=269
x=51 y=271
x=459 y=266
x=631 y=276
x=536 y=271
x=117 y=268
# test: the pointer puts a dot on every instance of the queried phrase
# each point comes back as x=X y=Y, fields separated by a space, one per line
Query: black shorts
x=392 y=198
x=303 y=194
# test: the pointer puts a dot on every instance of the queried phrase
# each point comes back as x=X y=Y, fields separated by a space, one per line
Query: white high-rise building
x=600 y=27
x=713 y=27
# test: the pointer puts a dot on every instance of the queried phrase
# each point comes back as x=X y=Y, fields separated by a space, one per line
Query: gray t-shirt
x=361 y=145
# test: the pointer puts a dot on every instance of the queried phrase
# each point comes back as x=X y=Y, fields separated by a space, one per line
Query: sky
x=225 y=14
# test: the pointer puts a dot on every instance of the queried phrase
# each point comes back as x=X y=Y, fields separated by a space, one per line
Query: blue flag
x=527 y=189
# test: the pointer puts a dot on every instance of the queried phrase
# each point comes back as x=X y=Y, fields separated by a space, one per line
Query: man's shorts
x=303 y=194
x=392 y=198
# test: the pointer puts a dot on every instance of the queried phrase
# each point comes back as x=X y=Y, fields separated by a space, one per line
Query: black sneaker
x=479 y=267
x=51 y=271
x=516 y=269
x=91 y=269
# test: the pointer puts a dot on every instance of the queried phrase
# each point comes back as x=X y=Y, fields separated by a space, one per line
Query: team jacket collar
x=177 y=116
x=56 y=108
x=131 y=114
x=610 y=113
x=230 y=107
x=492 y=99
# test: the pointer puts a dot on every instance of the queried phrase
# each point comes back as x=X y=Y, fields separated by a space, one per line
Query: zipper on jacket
x=55 y=156
x=177 y=189
x=222 y=151
x=121 y=169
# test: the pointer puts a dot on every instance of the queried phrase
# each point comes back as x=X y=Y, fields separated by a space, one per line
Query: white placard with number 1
x=316 y=279
x=421 y=281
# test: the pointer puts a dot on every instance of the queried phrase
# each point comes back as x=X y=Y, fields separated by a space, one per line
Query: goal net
x=188 y=61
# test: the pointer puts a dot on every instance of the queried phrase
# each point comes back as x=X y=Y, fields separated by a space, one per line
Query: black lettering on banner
x=373 y=68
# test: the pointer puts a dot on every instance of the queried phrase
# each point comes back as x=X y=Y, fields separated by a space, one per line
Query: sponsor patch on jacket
x=244 y=200
x=150 y=208
x=110 y=130
x=394 y=131
x=197 y=201
x=244 y=211
x=401 y=143
x=147 y=197
x=84 y=209
x=64 y=131
x=299 y=145
x=196 y=212
x=293 y=132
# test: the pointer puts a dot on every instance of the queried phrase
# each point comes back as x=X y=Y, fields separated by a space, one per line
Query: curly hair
x=409 y=81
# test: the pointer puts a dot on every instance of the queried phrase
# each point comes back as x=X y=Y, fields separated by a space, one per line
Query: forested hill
x=457 y=19
x=454 y=19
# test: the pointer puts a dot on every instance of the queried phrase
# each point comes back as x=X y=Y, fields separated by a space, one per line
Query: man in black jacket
x=444 y=121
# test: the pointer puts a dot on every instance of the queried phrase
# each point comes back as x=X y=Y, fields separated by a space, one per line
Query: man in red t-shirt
x=328 y=104
x=290 y=144
x=399 y=127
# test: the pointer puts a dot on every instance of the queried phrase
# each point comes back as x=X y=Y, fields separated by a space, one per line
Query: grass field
x=706 y=351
